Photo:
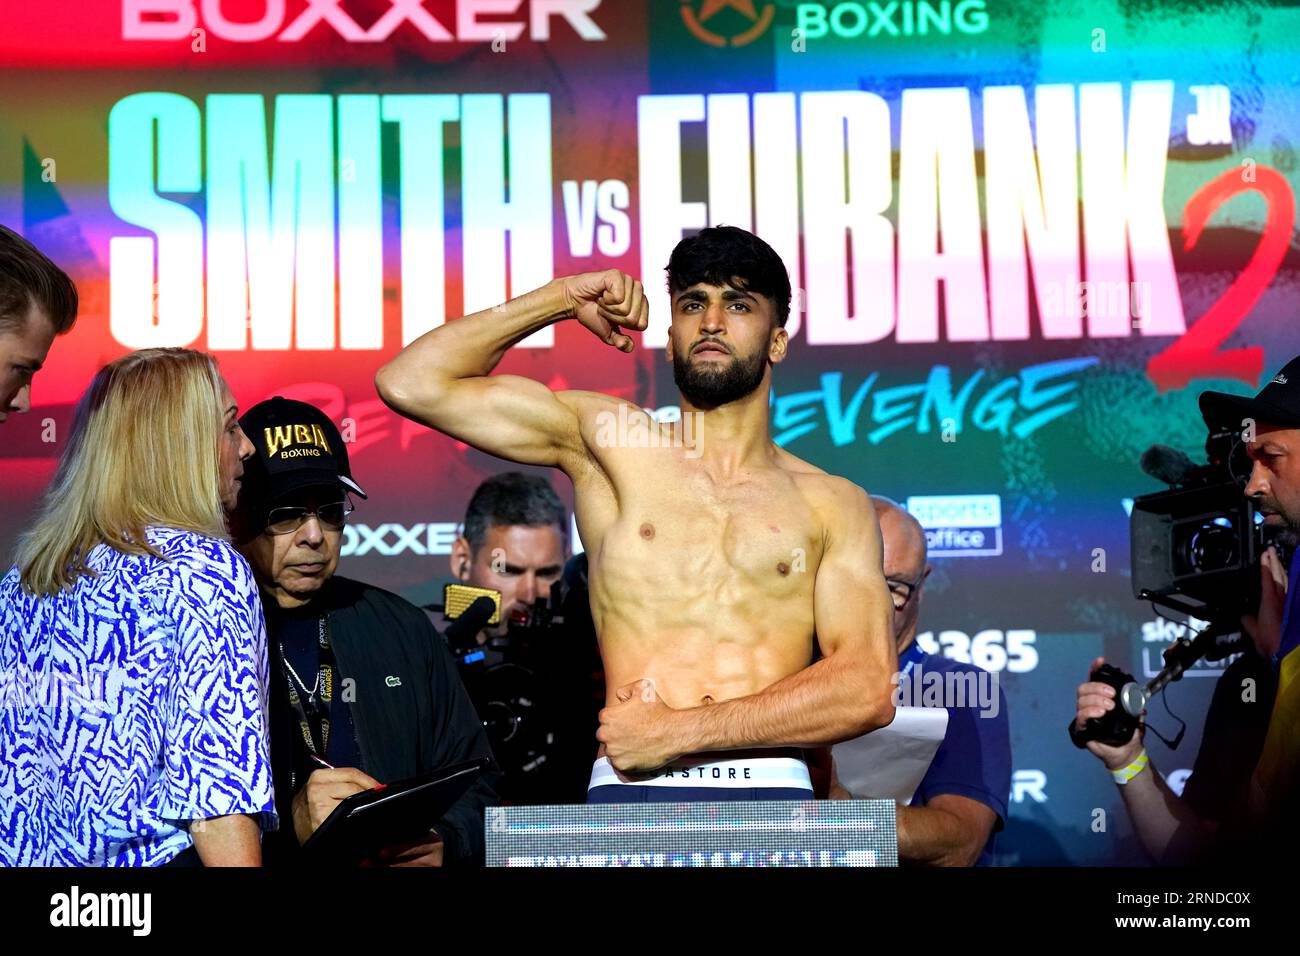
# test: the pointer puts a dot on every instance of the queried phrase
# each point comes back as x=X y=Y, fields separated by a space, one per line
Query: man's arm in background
x=950 y=830
x=963 y=795
x=1169 y=829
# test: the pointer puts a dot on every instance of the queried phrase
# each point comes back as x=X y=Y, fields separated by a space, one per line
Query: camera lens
x=1209 y=547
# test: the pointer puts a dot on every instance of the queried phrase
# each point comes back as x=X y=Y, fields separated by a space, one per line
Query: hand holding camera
x=1265 y=625
x=1101 y=724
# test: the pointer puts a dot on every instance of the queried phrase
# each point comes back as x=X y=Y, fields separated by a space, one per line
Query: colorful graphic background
x=1061 y=483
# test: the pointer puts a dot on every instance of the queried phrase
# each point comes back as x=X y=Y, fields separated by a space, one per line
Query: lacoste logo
x=393 y=681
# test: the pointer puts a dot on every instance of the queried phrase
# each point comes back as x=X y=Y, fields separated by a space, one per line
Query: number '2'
x=1195 y=354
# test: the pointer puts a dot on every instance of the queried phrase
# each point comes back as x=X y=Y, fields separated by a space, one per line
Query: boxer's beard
x=707 y=386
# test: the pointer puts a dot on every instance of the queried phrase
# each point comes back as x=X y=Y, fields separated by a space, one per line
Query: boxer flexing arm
x=847 y=693
x=443 y=379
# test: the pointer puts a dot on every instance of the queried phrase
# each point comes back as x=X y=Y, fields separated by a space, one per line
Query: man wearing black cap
x=1230 y=804
x=363 y=688
x=1270 y=425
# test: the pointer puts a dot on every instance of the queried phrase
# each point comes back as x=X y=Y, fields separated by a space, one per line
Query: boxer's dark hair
x=729 y=255
x=512 y=498
x=28 y=278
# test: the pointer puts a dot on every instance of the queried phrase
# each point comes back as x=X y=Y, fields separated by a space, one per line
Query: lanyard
x=312 y=707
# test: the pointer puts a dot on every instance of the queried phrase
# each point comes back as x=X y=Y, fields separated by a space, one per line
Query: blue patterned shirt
x=132 y=704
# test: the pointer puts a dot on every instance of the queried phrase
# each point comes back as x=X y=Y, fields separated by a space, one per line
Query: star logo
x=709 y=10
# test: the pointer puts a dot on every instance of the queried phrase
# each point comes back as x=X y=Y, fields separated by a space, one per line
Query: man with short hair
x=718 y=561
x=514 y=540
x=363 y=689
x=962 y=799
x=37 y=302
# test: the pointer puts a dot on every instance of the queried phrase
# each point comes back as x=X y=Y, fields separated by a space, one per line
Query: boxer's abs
x=703 y=586
x=708 y=619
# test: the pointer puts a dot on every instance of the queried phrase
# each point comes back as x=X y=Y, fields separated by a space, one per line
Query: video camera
x=1196 y=549
x=532 y=685
x=504 y=675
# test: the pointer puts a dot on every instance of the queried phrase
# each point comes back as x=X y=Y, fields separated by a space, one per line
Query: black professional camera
x=505 y=678
x=1196 y=547
x=535 y=687
x=1116 y=726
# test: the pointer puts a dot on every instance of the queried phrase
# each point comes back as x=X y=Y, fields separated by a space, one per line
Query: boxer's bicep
x=509 y=416
x=852 y=608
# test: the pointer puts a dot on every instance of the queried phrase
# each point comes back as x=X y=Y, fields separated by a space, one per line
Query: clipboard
x=391 y=813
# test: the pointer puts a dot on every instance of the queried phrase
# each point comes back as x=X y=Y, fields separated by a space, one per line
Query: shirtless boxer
x=713 y=566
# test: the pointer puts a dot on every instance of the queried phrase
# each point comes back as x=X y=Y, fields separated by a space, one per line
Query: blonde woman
x=132 y=646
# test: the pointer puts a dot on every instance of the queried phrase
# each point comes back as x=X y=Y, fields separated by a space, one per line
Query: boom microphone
x=1166 y=464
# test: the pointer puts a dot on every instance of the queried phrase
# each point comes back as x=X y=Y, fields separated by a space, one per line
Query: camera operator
x=1211 y=818
x=363 y=689
x=515 y=541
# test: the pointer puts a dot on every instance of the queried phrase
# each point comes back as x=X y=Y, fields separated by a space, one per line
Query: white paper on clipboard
x=891 y=762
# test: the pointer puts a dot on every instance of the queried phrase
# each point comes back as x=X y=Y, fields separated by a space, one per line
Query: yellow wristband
x=1132 y=770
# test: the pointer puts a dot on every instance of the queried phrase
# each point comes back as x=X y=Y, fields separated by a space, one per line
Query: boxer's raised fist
x=605 y=301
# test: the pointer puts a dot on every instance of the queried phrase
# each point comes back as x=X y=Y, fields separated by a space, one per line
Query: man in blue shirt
x=962 y=800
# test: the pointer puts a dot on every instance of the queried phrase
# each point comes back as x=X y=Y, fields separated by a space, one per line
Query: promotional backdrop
x=1024 y=237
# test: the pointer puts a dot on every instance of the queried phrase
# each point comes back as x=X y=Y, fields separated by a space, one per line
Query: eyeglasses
x=902 y=591
x=289 y=519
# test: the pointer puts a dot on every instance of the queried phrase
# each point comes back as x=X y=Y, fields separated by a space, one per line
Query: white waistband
x=735 y=773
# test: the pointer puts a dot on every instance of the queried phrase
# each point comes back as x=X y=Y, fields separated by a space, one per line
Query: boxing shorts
x=772 y=774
